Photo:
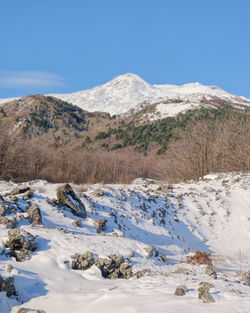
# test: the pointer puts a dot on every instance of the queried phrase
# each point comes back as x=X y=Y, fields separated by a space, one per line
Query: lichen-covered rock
x=20 y=247
x=82 y=262
x=19 y=190
x=203 y=294
x=8 y=286
x=206 y=297
x=180 y=290
x=205 y=286
x=100 y=224
x=210 y=270
x=114 y=267
x=67 y=196
x=34 y=214
x=150 y=251
x=24 y=310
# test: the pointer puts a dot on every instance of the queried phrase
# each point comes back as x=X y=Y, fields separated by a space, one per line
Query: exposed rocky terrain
x=142 y=247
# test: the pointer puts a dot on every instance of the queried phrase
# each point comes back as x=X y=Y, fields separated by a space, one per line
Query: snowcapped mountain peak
x=128 y=93
x=128 y=82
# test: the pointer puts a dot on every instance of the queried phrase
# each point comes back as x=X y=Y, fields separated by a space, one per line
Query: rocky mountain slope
x=128 y=93
x=130 y=252
x=35 y=116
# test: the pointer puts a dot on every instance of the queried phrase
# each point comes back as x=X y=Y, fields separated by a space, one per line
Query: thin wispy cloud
x=29 y=79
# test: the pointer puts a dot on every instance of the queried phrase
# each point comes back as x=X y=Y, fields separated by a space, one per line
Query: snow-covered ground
x=212 y=215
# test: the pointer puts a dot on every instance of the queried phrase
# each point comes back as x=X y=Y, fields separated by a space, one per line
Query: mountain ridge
x=128 y=93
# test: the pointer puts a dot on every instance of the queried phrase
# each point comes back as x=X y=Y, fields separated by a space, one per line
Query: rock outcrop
x=19 y=190
x=203 y=294
x=66 y=196
x=180 y=290
x=8 y=286
x=20 y=247
x=34 y=214
x=100 y=224
x=210 y=271
x=114 y=267
x=82 y=262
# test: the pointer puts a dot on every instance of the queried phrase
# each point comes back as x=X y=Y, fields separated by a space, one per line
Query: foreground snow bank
x=152 y=225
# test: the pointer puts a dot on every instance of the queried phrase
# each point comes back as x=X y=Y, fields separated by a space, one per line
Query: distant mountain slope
x=128 y=93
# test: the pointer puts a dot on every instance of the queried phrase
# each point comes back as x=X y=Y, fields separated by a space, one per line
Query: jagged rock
x=99 y=224
x=82 y=262
x=180 y=290
x=20 y=247
x=77 y=223
x=10 y=223
x=203 y=292
x=19 y=190
x=210 y=271
x=144 y=272
x=27 y=195
x=24 y=310
x=4 y=220
x=8 y=268
x=67 y=196
x=13 y=198
x=35 y=215
x=205 y=286
x=2 y=206
x=150 y=250
x=163 y=258
x=206 y=297
x=114 y=267
x=8 y=286
x=98 y=192
x=246 y=278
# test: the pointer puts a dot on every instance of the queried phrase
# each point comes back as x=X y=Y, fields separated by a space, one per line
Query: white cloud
x=29 y=79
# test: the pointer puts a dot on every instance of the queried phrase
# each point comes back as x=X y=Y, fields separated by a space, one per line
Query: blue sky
x=69 y=45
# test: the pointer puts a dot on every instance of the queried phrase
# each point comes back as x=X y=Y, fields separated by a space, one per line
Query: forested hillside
x=43 y=137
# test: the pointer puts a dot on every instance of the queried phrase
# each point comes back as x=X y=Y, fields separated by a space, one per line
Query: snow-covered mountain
x=129 y=93
x=151 y=225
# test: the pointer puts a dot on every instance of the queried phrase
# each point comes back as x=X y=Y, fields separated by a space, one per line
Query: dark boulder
x=66 y=196
x=20 y=247
x=35 y=215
